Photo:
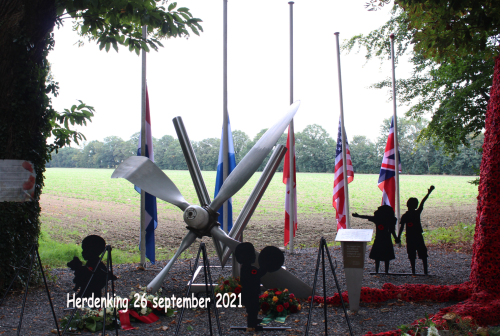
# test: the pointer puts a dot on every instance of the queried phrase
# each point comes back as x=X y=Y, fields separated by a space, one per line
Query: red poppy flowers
x=410 y=224
x=380 y=227
x=254 y=272
x=279 y=308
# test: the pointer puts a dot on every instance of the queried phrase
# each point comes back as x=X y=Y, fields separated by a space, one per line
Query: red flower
x=237 y=290
x=286 y=304
x=264 y=295
x=264 y=306
x=380 y=227
x=292 y=296
x=226 y=282
x=279 y=308
x=254 y=272
x=293 y=309
x=410 y=224
x=278 y=293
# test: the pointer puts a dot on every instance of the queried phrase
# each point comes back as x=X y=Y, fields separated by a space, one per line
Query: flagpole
x=225 y=146
x=396 y=147
x=344 y=153
x=292 y=140
x=143 y=149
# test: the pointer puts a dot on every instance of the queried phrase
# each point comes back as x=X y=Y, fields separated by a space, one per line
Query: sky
x=185 y=77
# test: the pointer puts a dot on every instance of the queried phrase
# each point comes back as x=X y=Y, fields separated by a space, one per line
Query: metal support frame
x=33 y=252
x=291 y=155
x=209 y=290
x=321 y=254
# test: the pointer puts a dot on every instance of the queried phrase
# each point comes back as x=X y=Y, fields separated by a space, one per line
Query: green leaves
x=60 y=128
x=120 y=22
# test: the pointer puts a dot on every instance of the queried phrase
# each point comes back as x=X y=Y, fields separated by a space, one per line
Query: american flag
x=338 y=183
x=386 y=179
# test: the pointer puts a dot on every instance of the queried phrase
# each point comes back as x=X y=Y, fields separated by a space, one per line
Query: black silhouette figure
x=385 y=223
x=414 y=239
x=92 y=247
x=270 y=260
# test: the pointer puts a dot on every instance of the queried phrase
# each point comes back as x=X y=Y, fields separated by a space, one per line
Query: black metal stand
x=321 y=253
x=209 y=289
x=403 y=274
x=109 y=269
x=33 y=251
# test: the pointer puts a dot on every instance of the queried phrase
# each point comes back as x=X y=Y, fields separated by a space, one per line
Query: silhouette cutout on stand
x=92 y=247
x=385 y=223
x=94 y=276
x=271 y=259
x=414 y=239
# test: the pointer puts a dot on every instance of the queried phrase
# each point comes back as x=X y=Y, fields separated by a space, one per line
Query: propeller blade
x=254 y=198
x=251 y=162
x=155 y=284
x=222 y=237
x=142 y=172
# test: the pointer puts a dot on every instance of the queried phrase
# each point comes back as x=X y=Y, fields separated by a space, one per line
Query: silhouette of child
x=385 y=223
x=92 y=247
x=270 y=260
x=414 y=239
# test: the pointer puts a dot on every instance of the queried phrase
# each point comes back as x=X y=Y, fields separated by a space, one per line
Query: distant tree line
x=315 y=152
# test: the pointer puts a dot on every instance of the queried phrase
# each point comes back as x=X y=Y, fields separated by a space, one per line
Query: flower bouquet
x=228 y=285
x=278 y=304
x=91 y=319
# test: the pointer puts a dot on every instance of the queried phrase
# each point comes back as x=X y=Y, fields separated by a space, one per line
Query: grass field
x=78 y=202
x=314 y=191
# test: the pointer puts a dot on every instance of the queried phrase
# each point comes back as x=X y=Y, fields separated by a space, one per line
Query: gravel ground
x=445 y=267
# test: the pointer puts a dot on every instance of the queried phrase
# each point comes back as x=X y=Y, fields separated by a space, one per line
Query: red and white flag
x=290 y=192
x=387 y=179
x=338 y=184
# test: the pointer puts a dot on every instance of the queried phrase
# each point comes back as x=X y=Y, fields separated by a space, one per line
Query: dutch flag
x=151 y=213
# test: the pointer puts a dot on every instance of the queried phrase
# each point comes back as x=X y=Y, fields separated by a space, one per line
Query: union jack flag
x=338 y=183
x=386 y=179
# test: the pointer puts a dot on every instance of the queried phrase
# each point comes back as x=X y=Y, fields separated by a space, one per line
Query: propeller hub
x=196 y=217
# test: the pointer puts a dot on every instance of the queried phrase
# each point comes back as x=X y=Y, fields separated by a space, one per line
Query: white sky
x=185 y=77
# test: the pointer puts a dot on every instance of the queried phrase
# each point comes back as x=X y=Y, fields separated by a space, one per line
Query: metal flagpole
x=143 y=149
x=344 y=153
x=293 y=190
x=396 y=147
x=225 y=147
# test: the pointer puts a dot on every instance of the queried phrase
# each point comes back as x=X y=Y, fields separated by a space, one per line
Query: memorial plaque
x=354 y=255
x=354 y=235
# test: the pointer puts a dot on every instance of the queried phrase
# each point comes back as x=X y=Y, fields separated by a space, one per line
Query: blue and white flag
x=151 y=213
x=218 y=181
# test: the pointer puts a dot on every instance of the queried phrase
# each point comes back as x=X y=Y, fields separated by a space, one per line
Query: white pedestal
x=353 y=243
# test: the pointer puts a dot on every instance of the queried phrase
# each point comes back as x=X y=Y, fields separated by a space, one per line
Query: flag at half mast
x=339 y=201
x=291 y=192
x=151 y=213
x=219 y=179
x=387 y=177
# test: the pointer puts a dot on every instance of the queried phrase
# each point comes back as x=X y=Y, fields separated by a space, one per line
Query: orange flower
x=286 y=290
x=275 y=299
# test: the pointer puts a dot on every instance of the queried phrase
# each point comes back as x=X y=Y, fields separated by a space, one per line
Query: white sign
x=17 y=181
x=354 y=235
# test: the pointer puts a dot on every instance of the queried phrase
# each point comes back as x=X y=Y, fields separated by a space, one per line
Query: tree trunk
x=485 y=270
x=24 y=117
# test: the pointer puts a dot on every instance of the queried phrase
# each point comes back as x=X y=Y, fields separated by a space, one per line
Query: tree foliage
x=27 y=118
x=455 y=93
x=315 y=152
